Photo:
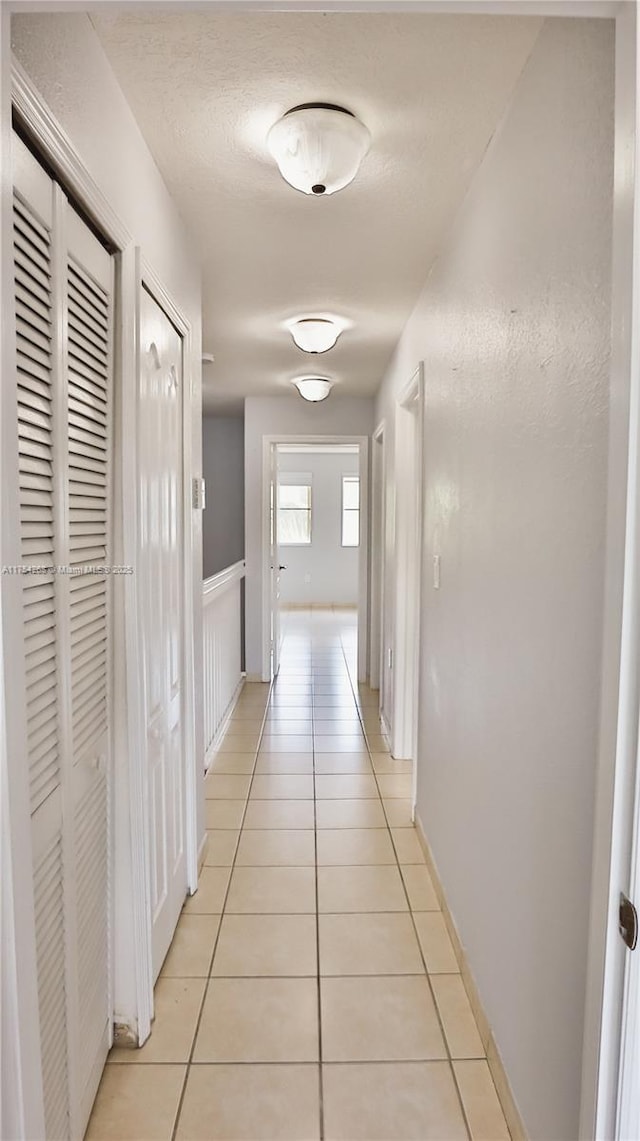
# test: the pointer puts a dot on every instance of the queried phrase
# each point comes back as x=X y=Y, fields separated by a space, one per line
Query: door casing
x=268 y=443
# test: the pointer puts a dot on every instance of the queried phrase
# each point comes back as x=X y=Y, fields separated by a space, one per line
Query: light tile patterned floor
x=311 y=989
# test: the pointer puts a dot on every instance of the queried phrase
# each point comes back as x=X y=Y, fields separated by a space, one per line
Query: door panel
x=274 y=556
x=161 y=458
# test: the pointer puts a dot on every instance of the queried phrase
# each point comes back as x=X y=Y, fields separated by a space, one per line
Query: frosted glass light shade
x=318 y=148
x=313 y=388
x=315 y=334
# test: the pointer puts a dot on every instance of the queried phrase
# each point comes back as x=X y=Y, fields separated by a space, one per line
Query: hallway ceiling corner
x=206 y=86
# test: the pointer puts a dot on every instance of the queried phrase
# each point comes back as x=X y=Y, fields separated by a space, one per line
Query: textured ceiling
x=206 y=86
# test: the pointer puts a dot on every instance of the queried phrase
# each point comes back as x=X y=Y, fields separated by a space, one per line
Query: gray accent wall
x=223 y=470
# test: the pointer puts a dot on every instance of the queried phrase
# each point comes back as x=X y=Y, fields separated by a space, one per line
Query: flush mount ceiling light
x=313 y=388
x=318 y=147
x=315 y=334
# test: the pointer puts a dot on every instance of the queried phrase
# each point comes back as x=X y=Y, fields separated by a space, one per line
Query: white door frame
x=130 y=957
x=618 y=770
x=363 y=560
x=408 y=529
x=378 y=485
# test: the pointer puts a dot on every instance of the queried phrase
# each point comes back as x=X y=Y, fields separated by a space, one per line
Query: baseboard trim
x=494 y=1061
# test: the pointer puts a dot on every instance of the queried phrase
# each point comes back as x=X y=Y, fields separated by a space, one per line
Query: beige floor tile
x=136 y=1103
x=355 y=846
x=251 y=1103
x=226 y=786
x=250 y=712
x=349 y=814
x=360 y=889
x=380 y=1019
x=255 y=945
x=420 y=889
x=242 y=763
x=221 y=847
x=191 y=950
x=353 y=744
x=480 y=1100
x=279 y=814
x=284 y=848
x=285 y=711
x=290 y=787
x=377 y=743
x=410 y=1101
x=209 y=898
x=407 y=846
x=353 y=786
x=398 y=812
x=333 y=701
x=302 y=698
x=369 y=945
x=341 y=764
x=395 y=786
x=283 y=727
x=337 y=726
x=284 y=764
x=259 y=1020
x=263 y=891
x=384 y=763
x=435 y=942
x=223 y=814
x=457 y=1018
x=247 y=743
x=177 y=1005
x=300 y=745
x=242 y=729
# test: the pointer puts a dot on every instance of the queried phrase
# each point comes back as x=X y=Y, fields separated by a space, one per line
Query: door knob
x=281 y=567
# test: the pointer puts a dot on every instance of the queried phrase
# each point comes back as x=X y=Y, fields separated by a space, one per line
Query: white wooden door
x=274 y=554
x=408 y=551
x=63 y=296
x=161 y=520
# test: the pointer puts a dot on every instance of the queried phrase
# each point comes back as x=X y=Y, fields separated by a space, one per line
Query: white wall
x=284 y=416
x=64 y=59
x=331 y=569
x=223 y=470
x=513 y=326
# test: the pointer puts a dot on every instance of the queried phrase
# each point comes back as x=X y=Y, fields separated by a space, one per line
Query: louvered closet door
x=63 y=295
x=88 y=372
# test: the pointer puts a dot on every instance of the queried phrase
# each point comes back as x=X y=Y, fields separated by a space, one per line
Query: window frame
x=350 y=477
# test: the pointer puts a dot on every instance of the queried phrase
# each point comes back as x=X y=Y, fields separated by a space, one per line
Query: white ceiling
x=206 y=86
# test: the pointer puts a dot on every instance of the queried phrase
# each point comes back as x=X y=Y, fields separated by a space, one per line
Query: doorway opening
x=316 y=538
x=404 y=658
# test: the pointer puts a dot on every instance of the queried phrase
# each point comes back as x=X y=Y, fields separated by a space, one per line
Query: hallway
x=311 y=854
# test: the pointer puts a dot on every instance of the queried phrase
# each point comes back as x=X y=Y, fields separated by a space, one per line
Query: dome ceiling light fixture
x=315 y=334
x=318 y=147
x=313 y=388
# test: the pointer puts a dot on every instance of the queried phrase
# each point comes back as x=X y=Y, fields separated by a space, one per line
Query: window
x=350 y=511
x=294 y=514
